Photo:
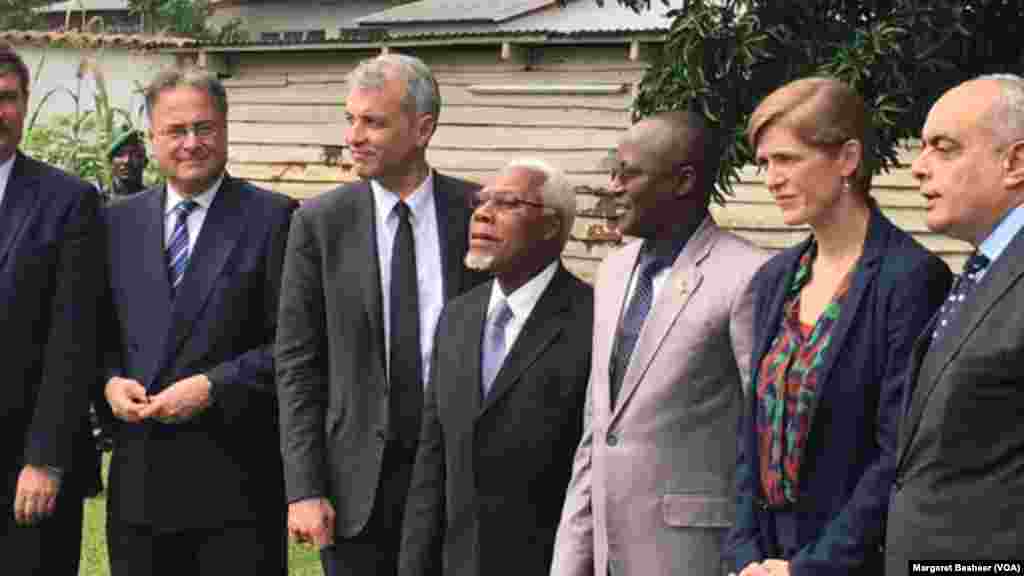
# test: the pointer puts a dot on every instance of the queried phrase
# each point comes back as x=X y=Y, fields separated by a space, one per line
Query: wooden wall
x=566 y=104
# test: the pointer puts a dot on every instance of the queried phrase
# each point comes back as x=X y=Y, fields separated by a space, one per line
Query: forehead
x=184 y=104
x=387 y=99
x=518 y=179
x=958 y=114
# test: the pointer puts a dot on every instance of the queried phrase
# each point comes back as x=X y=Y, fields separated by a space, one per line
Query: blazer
x=651 y=490
x=959 y=488
x=490 y=473
x=219 y=467
x=51 y=271
x=331 y=366
x=849 y=458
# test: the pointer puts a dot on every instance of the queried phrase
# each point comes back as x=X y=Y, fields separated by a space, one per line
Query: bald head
x=678 y=137
x=1004 y=95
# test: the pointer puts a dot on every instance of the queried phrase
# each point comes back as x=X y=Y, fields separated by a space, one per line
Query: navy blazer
x=223 y=465
x=850 y=459
x=50 y=278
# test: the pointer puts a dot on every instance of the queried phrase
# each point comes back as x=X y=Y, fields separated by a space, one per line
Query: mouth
x=478 y=238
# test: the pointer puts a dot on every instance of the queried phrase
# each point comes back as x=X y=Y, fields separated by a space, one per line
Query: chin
x=478 y=261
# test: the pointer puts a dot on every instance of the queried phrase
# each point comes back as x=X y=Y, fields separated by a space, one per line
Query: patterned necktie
x=633 y=321
x=177 y=248
x=964 y=284
x=406 y=372
x=494 y=346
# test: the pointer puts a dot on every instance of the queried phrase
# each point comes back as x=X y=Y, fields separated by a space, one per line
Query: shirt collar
x=523 y=299
x=1003 y=234
x=421 y=199
x=204 y=200
x=5 y=172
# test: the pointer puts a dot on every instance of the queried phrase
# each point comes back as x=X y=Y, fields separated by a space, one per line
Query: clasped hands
x=770 y=567
x=177 y=403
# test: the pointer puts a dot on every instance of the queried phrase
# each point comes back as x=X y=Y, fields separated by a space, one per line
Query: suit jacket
x=50 y=276
x=490 y=474
x=959 y=488
x=221 y=466
x=331 y=366
x=850 y=456
x=651 y=491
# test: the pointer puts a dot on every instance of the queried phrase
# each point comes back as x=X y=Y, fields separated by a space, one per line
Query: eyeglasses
x=502 y=201
x=624 y=172
x=201 y=130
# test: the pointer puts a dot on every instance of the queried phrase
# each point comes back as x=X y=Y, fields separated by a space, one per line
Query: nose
x=773 y=177
x=483 y=212
x=354 y=133
x=917 y=167
x=615 y=183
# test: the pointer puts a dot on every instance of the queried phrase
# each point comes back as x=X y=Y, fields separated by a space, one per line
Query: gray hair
x=1007 y=116
x=197 y=78
x=555 y=192
x=422 y=95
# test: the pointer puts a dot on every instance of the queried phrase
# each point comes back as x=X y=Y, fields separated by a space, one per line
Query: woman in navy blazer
x=835 y=319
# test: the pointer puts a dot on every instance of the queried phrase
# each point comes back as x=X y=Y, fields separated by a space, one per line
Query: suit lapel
x=539 y=331
x=452 y=232
x=472 y=337
x=20 y=200
x=363 y=247
x=152 y=284
x=1003 y=274
x=217 y=239
x=683 y=282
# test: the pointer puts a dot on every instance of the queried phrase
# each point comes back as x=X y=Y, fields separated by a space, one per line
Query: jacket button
x=612 y=440
x=381 y=436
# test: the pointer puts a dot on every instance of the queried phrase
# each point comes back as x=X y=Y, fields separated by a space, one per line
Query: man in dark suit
x=367 y=271
x=196 y=483
x=959 y=487
x=50 y=274
x=504 y=404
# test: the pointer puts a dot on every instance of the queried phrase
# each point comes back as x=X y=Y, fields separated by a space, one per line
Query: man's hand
x=36 y=496
x=754 y=569
x=776 y=567
x=127 y=399
x=312 y=520
x=180 y=401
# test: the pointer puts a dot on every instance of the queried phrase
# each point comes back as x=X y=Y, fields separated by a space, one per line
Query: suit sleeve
x=253 y=371
x=70 y=365
x=859 y=527
x=423 y=527
x=301 y=379
x=742 y=542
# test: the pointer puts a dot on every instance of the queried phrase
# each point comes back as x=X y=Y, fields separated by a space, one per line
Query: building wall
x=568 y=105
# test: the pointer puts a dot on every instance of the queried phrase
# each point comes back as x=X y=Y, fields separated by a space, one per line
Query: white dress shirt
x=429 y=276
x=5 y=175
x=195 y=220
x=521 y=301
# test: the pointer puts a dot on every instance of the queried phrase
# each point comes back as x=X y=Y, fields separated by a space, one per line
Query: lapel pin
x=684 y=287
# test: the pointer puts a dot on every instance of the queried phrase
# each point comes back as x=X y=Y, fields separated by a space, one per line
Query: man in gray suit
x=367 y=270
x=651 y=489
x=959 y=488
x=504 y=405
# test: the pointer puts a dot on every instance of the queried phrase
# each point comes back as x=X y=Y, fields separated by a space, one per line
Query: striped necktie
x=177 y=248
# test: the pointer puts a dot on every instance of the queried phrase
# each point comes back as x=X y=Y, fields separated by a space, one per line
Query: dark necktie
x=177 y=248
x=405 y=361
x=973 y=268
x=633 y=321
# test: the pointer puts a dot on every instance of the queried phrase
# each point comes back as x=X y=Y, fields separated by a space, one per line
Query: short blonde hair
x=822 y=112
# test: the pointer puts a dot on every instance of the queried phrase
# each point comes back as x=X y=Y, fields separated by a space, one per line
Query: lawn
x=302 y=561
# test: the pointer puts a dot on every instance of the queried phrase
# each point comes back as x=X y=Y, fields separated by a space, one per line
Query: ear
x=1013 y=165
x=425 y=126
x=151 y=136
x=554 y=228
x=686 y=179
x=851 y=154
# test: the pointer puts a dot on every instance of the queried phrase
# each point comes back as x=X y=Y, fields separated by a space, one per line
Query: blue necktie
x=963 y=286
x=177 y=248
x=494 y=346
x=633 y=320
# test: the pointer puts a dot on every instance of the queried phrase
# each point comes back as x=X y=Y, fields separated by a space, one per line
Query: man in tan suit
x=651 y=491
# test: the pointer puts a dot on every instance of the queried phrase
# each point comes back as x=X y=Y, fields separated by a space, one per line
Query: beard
x=478 y=261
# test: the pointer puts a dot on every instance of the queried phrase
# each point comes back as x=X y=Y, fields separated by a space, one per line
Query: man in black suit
x=367 y=271
x=504 y=404
x=196 y=482
x=959 y=487
x=50 y=275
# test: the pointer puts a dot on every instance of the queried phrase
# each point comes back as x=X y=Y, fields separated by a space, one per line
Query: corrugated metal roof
x=74 y=38
x=586 y=15
x=454 y=11
x=87 y=5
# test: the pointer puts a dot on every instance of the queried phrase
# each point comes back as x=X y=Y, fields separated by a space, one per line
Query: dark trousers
x=374 y=551
x=251 y=549
x=51 y=548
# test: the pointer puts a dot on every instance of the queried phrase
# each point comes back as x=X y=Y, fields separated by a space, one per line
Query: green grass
x=302 y=561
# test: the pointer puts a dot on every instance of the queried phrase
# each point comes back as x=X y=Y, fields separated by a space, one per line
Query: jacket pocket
x=697 y=511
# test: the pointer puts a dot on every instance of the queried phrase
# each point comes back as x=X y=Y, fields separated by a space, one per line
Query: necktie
x=494 y=346
x=633 y=321
x=963 y=286
x=405 y=361
x=177 y=248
